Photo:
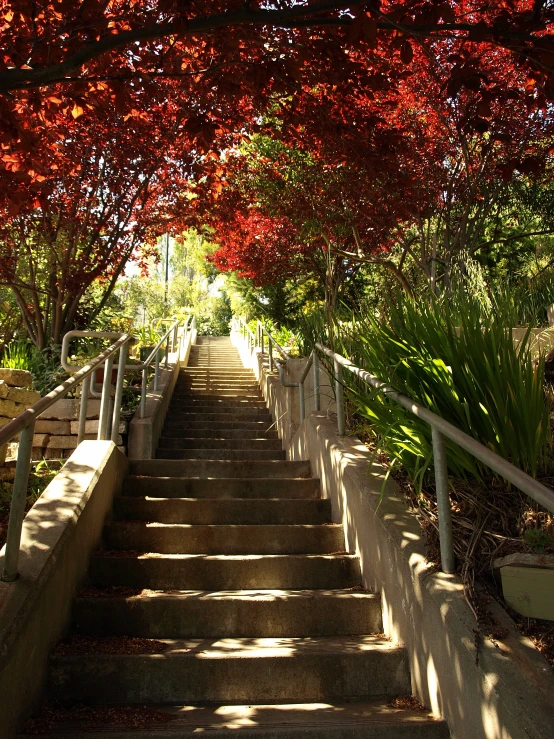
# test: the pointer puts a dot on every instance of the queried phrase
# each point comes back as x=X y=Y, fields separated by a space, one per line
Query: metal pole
x=19 y=500
x=156 y=371
x=119 y=391
x=166 y=292
x=339 y=398
x=448 y=562
x=105 y=401
x=270 y=353
x=83 y=409
x=143 y=391
x=167 y=353
x=317 y=393
x=301 y=400
x=262 y=341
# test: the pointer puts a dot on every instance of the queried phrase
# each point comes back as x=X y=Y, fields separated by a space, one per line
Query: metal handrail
x=440 y=429
x=154 y=356
x=25 y=426
x=257 y=339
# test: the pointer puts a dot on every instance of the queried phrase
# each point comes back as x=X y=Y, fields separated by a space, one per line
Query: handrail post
x=83 y=409
x=270 y=340
x=339 y=397
x=143 y=384
x=317 y=392
x=19 y=500
x=302 y=401
x=105 y=401
x=167 y=353
x=119 y=391
x=448 y=562
x=262 y=341
x=156 y=371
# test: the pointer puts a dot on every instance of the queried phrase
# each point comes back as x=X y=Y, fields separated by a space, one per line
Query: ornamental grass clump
x=463 y=364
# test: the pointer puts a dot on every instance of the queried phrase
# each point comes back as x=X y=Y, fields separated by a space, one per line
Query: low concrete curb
x=484 y=689
x=59 y=533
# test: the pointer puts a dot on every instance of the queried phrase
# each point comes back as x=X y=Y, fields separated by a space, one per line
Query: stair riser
x=177 y=441
x=168 y=539
x=363 y=730
x=221 y=489
x=182 y=411
x=255 y=427
x=224 y=454
x=178 y=401
x=251 y=395
x=166 y=573
x=177 y=678
x=225 y=433
x=199 y=617
x=220 y=512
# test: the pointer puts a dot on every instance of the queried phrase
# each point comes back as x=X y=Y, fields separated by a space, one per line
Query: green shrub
x=463 y=365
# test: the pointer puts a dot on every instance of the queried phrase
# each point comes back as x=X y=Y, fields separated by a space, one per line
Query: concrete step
x=256 y=427
x=251 y=511
x=223 y=454
x=236 y=614
x=187 y=538
x=243 y=411
x=221 y=488
x=226 y=572
x=183 y=441
x=223 y=374
x=217 y=401
x=220 y=433
x=204 y=468
x=235 y=670
x=374 y=719
x=242 y=393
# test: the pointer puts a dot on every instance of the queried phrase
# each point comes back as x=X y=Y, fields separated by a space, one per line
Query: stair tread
x=124 y=554
x=255 y=720
x=232 y=595
x=242 y=648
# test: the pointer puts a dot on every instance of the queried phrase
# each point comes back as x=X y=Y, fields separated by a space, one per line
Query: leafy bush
x=462 y=365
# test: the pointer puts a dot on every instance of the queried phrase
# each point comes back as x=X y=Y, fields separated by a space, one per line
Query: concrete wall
x=485 y=689
x=59 y=534
x=500 y=690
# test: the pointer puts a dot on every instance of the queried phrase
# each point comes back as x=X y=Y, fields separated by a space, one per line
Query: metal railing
x=440 y=429
x=109 y=415
x=258 y=339
x=24 y=425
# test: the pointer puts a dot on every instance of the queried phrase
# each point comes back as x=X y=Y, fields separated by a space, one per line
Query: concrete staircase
x=223 y=554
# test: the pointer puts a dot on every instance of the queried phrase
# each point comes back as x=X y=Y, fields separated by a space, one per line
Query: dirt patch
x=407 y=703
x=131 y=718
x=115 y=591
x=109 y=645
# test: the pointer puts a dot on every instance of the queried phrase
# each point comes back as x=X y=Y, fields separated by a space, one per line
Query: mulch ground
x=127 y=718
x=76 y=644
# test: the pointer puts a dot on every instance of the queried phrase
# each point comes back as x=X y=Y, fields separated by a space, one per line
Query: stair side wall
x=59 y=533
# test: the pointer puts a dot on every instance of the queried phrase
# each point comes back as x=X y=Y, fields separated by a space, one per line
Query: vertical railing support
x=448 y=562
x=19 y=500
x=143 y=385
x=302 y=401
x=167 y=353
x=270 y=353
x=156 y=372
x=85 y=389
x=119 y=391
x=105 y=401
x=317 y=392
x=339 y=398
